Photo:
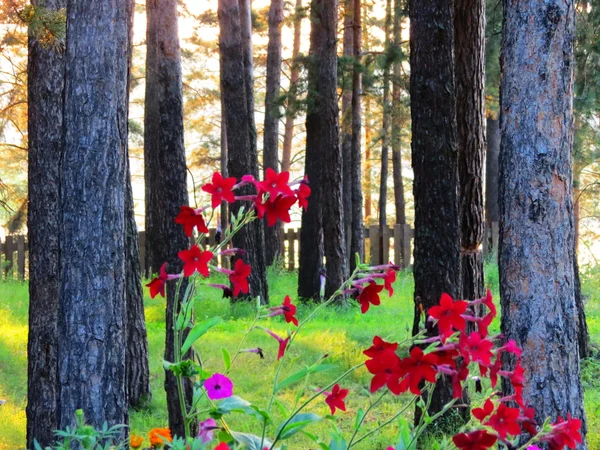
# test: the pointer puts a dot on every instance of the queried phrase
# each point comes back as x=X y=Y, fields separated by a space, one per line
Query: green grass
x=340 y=332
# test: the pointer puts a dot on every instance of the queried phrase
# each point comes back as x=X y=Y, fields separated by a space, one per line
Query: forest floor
x=341 y=332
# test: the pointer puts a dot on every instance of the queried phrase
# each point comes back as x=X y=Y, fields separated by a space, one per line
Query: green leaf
x=294 y=378
x=197 y=332
x=296 y=424
x=233 y=403
x=250 y=441
x=338 y=443
x=359 y=417
x=282 y=409
x=226 y=359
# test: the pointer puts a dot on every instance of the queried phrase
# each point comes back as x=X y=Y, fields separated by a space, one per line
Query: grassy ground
x=342 y=333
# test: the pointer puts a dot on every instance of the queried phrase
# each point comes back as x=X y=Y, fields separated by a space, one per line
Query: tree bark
x=346 y=131
x=92 y=325
x=536 y=204
x=165 y=169
x=367 y=173
x=271 y=128
x=386 y=122
x=435 y=164
x=357 y=239
x=290 y=114
x=469 y=51
x=398 y=121
x=236 y=82
x=45 y=72
x=492 y=207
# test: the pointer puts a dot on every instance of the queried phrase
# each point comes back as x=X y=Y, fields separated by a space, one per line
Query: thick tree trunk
x=492 y=207
x=92 y=325
x=386 y=122
x=236 y=82
x=165 y=169
x=435 y=163
x=45 y=73
x=290 y=114
x=348 y=52
x=398 y=122
x=536 y=204
x=271 y=129
x=323 y=132
x=357 y=239
x=469 y=53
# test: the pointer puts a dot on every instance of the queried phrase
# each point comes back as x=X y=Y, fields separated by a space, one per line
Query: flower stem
x=371 y=406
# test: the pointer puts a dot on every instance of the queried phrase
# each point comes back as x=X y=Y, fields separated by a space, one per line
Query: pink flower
x=218 y=387
x=282 y=342
x=206 y=429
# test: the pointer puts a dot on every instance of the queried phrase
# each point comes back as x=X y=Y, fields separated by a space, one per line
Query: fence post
x=21 y=256
x=291 y=235
x=8 y=254
x=406 y=237
x=385 y=248
x=142 y=250
x=375 y=244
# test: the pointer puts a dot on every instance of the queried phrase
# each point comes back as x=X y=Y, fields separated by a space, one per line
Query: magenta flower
x=206 y=430
x=218 y=387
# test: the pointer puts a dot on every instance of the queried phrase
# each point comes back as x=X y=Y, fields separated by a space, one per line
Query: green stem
x=384 y=424
x=371 y=406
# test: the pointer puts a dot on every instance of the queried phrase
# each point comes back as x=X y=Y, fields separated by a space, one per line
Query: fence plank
x=375 y=244
x=385 y=244
x=8 y=254
x=406 y=238
x=291 y=235
x=21 y=256
x=398 y=244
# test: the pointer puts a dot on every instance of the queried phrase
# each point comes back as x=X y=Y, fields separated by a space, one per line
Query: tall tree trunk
x=290 y=114
x=271 y=129
x=368 y=171
x=92 y=324
x=348 y=52
x=536 y=204
x=236 y=82
x=386 y=121
x=583 y=335
x=492 y=207
x=357 y=240
x=165 y=169
x=398 y=121
x=45 y=72
x=435 y=164
x=224 y=155
x=323 y=132
x=138 y=371
x=469 y=53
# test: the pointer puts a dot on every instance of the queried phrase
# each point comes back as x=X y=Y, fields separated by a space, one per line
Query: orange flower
x=158 y=435
x=135 y=441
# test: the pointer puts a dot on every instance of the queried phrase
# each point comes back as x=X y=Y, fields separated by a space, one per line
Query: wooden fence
x=390 y=244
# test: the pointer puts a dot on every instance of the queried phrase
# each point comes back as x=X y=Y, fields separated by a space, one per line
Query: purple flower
x=206 y=430
x=218 y=387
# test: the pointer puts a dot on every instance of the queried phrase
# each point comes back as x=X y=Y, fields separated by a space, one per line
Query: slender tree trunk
x=92 y=325
x=236 y=82
x=290 y=114
x=224 y=154
x=492 y=207
x=435 y=164
x=386 y=122
x=398 y=120
x=271 y=129
x=357 y=241
x=536 y=204
x=348 y=52
x=45 y=73
x=368 y=171
x=469 y=51
x=138 y=371
x=583 y=335
x=165 y=170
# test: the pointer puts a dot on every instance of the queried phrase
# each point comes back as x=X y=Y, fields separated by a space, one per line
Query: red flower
x=194 y=260
x=289 y=311
x=474 y=348
x=335 y=398
x=388 y=279
x=475 y=440
x=484 y=323
x=302 y=193
x=157 y=285
x=490 y=303
x=220 y=189
x=222 y=446
x=369 y=295
x=565 y=433
x=446 y=357
x=417 y=367
x=528 y=421
x=282 y=343
x=278 y=208
x=275 y=183
x=190 y=218
x=448 y=315
x=458 y=377
x=379 y=347
x=387 y=371
x=505 y=421
x=482 y=413
x=239 y=277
